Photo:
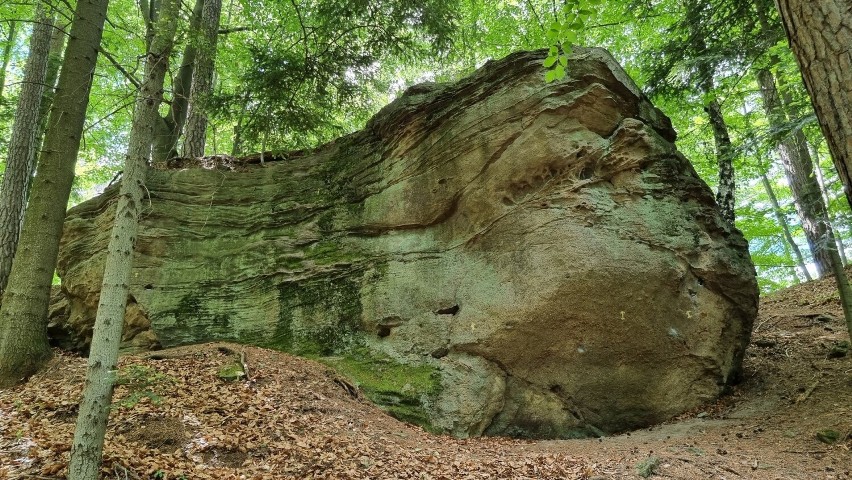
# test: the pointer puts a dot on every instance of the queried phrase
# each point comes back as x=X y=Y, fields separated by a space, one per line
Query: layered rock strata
x=495 y=256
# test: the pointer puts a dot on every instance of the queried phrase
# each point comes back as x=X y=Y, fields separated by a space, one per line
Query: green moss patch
x=232 y=371
x=318 y=316
x=330 y=252
x=404 y=391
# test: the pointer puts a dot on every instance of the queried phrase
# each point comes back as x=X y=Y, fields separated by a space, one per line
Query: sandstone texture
x=495 y=256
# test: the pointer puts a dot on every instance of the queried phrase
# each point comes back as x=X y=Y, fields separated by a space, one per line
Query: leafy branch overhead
x=562 y=34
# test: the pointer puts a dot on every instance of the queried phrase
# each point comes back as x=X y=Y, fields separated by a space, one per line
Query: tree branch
x=136 y=83
x=225 y=31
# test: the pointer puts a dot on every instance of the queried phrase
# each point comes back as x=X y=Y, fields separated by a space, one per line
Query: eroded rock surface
x=497 y=256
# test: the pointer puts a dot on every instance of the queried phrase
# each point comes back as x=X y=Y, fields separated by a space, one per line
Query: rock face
x=495 y=256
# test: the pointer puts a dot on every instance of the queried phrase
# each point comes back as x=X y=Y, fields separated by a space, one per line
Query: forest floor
x=295 y=419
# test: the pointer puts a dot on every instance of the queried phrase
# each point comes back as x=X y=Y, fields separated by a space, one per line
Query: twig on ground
x=807 y=393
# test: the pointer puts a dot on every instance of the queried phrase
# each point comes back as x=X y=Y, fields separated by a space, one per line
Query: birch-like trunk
x=92 y=419
x=726 y=190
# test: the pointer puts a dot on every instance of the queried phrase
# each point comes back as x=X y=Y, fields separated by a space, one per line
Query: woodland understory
x=94 y=92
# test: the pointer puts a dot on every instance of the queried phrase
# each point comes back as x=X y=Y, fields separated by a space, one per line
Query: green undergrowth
x=404 y=391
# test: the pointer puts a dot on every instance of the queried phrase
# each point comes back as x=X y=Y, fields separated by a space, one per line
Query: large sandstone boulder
x=497 y=256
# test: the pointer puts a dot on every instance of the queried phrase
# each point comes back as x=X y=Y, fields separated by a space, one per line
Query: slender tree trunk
x=845 y=291
x=97 y=396
x=54 y=61
x=22 y=146
x=827 y=201
x=237 y=147
x=725 y=195
x=23 y=315
x=782 y=220
x=820 y=35
x=202 y=80
x=7 y=56
x=170 y=127
x=726 y=192
x=798 y=166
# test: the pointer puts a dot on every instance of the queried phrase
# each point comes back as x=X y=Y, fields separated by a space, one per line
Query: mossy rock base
x=406 y=392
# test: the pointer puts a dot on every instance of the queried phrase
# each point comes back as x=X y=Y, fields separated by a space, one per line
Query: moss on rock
x=405 y=391
x=318 y=316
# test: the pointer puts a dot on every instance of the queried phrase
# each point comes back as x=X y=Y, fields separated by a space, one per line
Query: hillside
x=296 y=418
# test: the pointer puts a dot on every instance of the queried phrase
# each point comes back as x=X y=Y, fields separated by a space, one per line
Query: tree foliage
x=297 y=73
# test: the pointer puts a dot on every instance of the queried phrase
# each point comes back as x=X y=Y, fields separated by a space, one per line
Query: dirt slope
x=295 y=418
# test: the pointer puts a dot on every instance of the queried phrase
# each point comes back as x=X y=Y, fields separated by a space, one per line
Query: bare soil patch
x=292 y=420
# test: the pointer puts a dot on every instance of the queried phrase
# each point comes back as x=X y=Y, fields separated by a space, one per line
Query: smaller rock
x=839 y=350
x=828 y=436
x=440 y=352
x=231 y=372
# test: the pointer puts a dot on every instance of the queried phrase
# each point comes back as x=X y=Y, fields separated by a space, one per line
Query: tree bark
x=7 y=56
x=54 y=61
x=22 y=145
x=23 y=315
x=820 y=35
x=827 y=201
x=92 y=419
x=797 y=163
x=726 y=190
x=202 y=80
x=782 y=220
x=170 y=127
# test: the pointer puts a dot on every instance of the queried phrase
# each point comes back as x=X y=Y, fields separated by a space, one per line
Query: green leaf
x=563 y=60
x=549 y=62
x=569 y=37
x=550 y=76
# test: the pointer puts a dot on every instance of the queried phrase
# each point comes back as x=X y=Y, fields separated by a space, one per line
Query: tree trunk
x=237 y=147
x=798 y=166
x=726 y=191
x=782 y=220
x=23 y=315
x=54 y=61
x=92 y=419
x=7 y=56
x=820 y=35
x=725 y=194
x=170 y=127
x=827 y=201
x=202 y=80
x=22 y=145
x=844 y=290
